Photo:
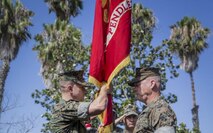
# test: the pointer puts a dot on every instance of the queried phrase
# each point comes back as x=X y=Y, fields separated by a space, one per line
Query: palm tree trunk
x=195 y=118
x=3 y=75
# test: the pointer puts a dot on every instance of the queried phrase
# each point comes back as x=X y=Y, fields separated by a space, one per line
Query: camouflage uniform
x=157 y=114
x=67 y=117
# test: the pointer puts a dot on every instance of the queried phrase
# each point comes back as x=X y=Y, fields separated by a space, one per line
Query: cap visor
x=131 y=113
x=133 y=82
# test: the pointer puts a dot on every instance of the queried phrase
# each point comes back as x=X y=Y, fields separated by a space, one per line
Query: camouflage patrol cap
x=143 y=73
x=75 y=76
x=130 y=110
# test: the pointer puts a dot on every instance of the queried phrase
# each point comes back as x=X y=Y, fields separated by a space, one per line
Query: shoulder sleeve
x=65 y=111
x=83 y=110
x=66 y=115
x=75 y=110
x=163 y=116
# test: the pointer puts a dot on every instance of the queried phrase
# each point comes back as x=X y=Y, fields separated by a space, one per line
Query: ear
x=152 y=83
x=70 y=87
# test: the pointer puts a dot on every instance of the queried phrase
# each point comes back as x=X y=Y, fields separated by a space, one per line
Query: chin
x=131 y=126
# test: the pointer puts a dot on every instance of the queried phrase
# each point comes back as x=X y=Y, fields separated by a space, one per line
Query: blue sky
x=24 y=76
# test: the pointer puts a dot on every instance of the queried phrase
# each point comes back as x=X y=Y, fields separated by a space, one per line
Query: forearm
x=99 y=104
x=119 y=119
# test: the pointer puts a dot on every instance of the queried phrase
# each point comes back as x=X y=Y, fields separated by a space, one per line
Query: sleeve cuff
x=83 y=110
x=166 y=129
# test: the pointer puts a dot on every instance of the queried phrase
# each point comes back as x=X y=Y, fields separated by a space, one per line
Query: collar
x=146 y=108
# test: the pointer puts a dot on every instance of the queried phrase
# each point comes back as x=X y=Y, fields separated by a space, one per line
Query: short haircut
x=64 y=83
x=157 y=79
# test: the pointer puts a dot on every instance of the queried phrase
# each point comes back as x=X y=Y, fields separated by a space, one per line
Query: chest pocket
x=142 y=124
x=155 y=115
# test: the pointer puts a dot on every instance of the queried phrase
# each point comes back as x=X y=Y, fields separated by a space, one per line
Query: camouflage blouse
x=157 y=114
x=68 y=117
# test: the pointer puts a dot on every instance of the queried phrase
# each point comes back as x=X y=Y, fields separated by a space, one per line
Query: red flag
x=110 y=43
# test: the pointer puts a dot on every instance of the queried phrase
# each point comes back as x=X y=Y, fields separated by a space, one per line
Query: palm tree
x=14 y=23
x=65 y=8
x=59 y=46
x=188 y=40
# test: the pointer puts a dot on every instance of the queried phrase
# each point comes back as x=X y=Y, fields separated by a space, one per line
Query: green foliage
x=183 y=129
x=59 y=48
x=188 y=40
x=65 y=8
x=14 y=25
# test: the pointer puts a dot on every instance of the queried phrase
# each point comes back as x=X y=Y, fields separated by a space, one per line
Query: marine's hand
x=120 y=119
x=106 y=89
